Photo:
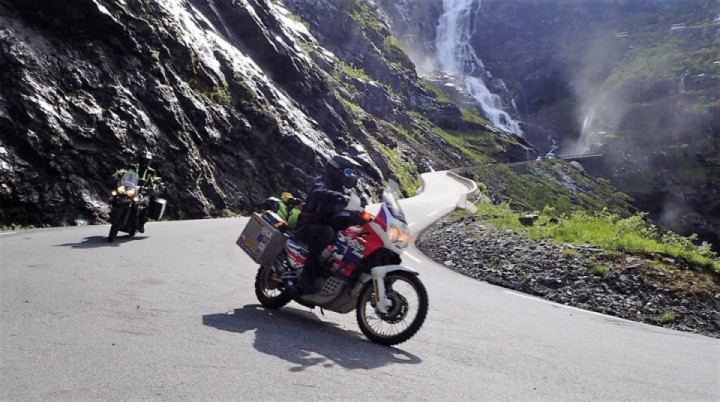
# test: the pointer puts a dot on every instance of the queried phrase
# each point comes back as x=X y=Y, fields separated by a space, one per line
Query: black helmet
x=340 y=172
x=271 y=204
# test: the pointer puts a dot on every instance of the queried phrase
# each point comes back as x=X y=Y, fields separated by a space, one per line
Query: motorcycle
x=126 y=203
x=359 y=271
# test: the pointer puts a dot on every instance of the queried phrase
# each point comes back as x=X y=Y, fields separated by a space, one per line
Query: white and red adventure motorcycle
x=360 y=271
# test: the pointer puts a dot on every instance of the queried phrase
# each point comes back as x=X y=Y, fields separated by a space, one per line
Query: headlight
x=121 y=190
x=130 y=192
x=399 y=236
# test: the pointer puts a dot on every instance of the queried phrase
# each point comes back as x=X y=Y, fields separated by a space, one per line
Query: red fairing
x=359 y=243
x=296 y=254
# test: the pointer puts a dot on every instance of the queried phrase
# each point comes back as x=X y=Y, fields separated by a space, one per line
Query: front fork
x=382 y=302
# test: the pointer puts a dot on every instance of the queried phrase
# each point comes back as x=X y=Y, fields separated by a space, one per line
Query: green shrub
x=608 y=231
x=601 y=270
x=665 y=318
x=568 y=253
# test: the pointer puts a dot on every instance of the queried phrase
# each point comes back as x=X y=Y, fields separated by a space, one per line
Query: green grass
x=475 y=145
x=532 y=186
x=601 y=270
x=473 y=116
x=361 y=12
x=666 y=57
x=343 y=69
x=405 y=172
x=219 y=94
x=568 y=253
x=413 y=138
x=478 y=146
x=440 y=96
x=605 y=230
x=665 y=318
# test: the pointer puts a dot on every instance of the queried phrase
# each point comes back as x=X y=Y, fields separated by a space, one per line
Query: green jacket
x=148 y=179
x=292 y=217
x=289 y=215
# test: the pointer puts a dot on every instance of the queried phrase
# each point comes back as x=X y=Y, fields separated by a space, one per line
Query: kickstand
x=322 y=311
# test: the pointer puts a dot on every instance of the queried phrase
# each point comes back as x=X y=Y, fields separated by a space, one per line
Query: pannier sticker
x=263 y=239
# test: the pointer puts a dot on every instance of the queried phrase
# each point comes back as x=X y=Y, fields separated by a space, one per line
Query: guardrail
x=579 y=156
x=464 y=201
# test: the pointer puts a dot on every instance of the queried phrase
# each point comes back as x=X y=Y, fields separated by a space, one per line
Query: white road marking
x=6 y=233
x=605 y=316
x=410 y=255
x=555 y=304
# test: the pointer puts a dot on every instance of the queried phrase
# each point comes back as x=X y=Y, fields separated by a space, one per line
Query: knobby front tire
x=114 y=225
x=404 y=319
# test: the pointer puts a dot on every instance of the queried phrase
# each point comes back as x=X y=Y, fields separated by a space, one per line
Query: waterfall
x=681 y=85
x=456 y=56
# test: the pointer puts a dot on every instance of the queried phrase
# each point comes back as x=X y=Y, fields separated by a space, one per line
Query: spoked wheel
x=270 y=289
x=403 y=319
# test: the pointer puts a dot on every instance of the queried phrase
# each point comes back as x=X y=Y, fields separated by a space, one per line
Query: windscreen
x=393 y=206
x=129 y=180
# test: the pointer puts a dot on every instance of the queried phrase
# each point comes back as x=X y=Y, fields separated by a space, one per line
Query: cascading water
x=456 y=56
x=681 y=85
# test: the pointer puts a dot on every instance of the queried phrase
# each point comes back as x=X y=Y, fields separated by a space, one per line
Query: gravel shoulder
x=649 y=288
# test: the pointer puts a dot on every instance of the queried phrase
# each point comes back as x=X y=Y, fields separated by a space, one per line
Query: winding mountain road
x=172 y=315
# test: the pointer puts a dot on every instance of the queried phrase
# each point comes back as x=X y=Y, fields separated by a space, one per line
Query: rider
x=326 y=199
x=287 y=207
x=148 y=181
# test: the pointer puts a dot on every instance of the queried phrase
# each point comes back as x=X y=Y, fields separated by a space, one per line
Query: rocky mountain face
x=638 y=81
x=241 y=100
x=237 y=101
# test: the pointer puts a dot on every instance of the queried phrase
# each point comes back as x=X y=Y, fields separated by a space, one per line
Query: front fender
x=379 y=272
x=382 y=303
x=382 y=270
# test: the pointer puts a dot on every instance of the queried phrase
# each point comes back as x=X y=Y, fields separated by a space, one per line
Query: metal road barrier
x=464 y=201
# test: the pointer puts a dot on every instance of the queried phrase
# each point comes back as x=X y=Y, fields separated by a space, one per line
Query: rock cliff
x=237 y=100
x=638 y=81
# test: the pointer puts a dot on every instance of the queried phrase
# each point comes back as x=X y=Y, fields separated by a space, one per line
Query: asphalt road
x=171 y=315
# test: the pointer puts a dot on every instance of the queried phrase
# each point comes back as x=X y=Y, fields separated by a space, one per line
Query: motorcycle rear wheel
x=404 y=318
x=270 y=290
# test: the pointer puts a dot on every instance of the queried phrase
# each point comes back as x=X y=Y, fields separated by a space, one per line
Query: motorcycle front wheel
x=403 y=319
x=269 y=289
x=115 y=217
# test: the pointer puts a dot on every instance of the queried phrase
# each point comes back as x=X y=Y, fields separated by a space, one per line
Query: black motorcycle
x=126 y=203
